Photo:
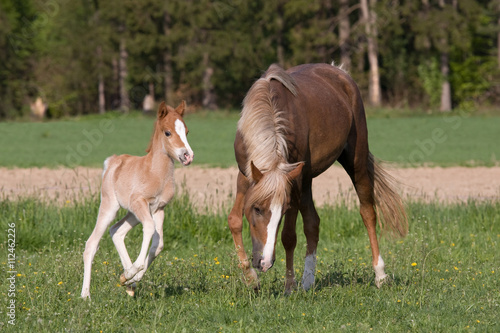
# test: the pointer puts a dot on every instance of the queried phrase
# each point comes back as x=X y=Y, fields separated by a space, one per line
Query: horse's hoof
x=290 y=286
x=379 y=282
x=131 y=290
x=123 y=279
x=251 y=279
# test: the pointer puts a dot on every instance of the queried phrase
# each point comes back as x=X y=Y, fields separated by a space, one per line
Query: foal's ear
x=292 y=175
x=181 y=108
x=162 y=110
x=256 y=174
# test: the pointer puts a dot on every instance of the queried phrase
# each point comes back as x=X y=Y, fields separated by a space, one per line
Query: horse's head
x=172 y=131
x=266 y=201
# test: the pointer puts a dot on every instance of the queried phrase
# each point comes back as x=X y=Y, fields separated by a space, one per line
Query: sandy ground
x=215 y=187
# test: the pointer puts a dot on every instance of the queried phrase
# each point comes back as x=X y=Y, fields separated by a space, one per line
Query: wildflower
x=414 y=264
x=59 y=283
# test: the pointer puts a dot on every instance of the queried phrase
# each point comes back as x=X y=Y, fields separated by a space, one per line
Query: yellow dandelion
x=59 y=283
x=414 y=264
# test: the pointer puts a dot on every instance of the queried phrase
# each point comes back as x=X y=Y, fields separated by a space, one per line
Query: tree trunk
x=344 y=34
x=101 y=89
x=168 y=80
x=498 y=41
x=209 y=97
x=280 y=50
x=123 y=73
x=370 y=19
x=445 y=87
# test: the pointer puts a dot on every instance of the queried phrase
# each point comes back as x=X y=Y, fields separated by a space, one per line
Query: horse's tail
x=390 y=209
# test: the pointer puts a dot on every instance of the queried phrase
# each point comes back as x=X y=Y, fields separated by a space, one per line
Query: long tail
x=390 y=209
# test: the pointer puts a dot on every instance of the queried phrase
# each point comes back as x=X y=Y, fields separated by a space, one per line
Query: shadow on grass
x=344 y=279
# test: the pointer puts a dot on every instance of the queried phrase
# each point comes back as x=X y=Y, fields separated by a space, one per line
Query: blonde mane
x=264 y=130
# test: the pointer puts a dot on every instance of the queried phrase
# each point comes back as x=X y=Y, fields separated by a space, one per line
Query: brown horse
x=293 y=126
x=142 y=185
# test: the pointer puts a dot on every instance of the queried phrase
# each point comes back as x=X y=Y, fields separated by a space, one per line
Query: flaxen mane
x=264 y=129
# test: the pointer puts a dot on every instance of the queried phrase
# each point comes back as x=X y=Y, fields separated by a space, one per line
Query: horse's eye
x=167 y=133
x=257 y=211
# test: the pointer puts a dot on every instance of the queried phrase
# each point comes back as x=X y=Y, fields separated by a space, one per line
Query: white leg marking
x=272 y=229
x=309 y=271
x=379 y=272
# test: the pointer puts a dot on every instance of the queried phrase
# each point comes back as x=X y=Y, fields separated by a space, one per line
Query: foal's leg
x=140 y=208
x=156 y=244
x=358 y=171
x=107 y=212
x=235 y=222
x=289 y=241
x=311 y=230
x=118 y=232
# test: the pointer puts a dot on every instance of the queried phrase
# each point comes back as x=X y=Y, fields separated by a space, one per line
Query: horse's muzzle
x=262 y=265
x=185 y=157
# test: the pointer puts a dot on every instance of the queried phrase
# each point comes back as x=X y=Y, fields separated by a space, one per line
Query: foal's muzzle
x=186 y=157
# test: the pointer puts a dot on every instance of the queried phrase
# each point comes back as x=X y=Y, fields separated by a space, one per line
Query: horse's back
x=327 y=106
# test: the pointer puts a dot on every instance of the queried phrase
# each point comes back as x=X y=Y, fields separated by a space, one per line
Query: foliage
x=444 y=274
x=62 y=51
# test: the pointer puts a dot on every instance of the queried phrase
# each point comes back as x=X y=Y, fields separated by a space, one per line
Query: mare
x=143 y=186
x=293 y=126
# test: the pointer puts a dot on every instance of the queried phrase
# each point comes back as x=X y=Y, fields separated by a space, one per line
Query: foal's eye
x=257 y=211
x=167 y=133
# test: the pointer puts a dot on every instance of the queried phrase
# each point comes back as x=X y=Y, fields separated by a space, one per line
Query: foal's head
x=171 y=134
x=266 y=201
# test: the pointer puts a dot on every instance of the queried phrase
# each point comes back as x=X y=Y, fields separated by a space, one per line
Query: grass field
x=87 y=141
x=445 y=275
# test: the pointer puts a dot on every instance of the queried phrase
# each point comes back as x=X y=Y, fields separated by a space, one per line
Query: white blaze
x=181 y=131
x=272 y=228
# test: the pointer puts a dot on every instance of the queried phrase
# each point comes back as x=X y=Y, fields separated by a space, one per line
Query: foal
x=142 y=185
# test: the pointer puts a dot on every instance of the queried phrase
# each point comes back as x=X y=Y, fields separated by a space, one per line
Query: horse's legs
x=107 y=212
x=156 y=244
x=141 y=210
x=311 y=230
x=289 y=241
x=118 y=232
x=235 y=222
x=363 y=183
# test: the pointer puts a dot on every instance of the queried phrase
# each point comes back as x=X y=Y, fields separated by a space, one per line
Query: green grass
x=453 y=139
x=195 y=284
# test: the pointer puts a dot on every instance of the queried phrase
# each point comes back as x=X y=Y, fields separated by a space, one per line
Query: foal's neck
x=160 y=161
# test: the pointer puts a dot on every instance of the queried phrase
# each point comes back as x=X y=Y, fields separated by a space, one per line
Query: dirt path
x=215 y=187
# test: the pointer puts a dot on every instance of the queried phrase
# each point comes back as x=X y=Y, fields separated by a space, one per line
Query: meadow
x=444 y=274
x=455 y=139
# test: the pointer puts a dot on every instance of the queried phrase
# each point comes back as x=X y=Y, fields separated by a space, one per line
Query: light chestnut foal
x=142 y=185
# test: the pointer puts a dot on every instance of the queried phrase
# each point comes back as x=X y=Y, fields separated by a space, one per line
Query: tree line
x=89 y=56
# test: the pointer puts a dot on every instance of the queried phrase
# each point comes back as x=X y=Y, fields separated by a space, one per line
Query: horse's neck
x=161 y=163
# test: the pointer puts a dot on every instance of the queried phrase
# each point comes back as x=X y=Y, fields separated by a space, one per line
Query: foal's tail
x=390 y=209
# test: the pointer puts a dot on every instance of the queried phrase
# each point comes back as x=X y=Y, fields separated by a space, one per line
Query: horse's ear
x=181 y=108
x=256 y=174
x=292 y=175
x=162 y=110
